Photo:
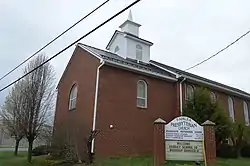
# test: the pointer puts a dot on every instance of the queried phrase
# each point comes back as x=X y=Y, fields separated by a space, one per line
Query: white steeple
x=130 y=26
x=127 y=43
x=130 y=18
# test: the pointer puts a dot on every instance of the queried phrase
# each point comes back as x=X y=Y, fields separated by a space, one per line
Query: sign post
x=184 y=140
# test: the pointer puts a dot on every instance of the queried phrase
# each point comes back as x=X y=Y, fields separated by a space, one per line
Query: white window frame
x=140 y=97
x=246 y=113
x=187 y=91
x=139 y=52
x=213 y=97
x=73 y=97
x=231 y=108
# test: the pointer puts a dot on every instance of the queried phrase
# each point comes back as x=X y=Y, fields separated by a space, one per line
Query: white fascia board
x=162 y=68
x=91 y=52
x=140 y=70
x=216 y=86
x=139 y=40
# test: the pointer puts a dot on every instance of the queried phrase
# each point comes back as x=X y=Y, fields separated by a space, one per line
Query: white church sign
x=184 y=140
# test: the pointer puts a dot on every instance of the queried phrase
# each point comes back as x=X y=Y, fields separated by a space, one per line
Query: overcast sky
x=184 y=32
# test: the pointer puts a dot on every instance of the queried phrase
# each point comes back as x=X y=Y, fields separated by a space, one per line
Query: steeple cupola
x=127 y=43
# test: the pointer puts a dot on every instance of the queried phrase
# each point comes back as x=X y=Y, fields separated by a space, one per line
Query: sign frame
x=183 y=136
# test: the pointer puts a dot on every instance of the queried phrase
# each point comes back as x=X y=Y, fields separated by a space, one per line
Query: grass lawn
x=146 y=161
x=7 y=159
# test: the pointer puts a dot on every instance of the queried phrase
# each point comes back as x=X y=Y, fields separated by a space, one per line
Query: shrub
x=41 y=150
x=245 y=151
x=226 y=151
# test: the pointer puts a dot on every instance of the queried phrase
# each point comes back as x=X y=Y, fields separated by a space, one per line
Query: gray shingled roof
x=109 y=56
x=178 y=71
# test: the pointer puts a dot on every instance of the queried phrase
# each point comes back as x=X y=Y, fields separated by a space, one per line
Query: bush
x=226 y=151
x=41 y=150
x=245 y=152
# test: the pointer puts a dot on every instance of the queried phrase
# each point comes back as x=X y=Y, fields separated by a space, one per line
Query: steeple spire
x=130 y=18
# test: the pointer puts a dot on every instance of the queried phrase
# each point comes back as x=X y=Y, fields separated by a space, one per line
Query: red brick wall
x=82 y=71
x=133 y=127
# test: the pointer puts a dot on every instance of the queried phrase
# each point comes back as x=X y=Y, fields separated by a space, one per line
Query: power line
x=87 y=34
x=218 y=51
x=54 y=40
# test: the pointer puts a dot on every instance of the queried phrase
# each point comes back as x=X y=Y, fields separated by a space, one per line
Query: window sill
x=141 y=107
x=72 y=109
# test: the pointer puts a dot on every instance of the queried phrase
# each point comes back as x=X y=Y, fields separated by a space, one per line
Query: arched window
x=73 y=97
x=142 y=94
x=213 y=97
x=138 y=52
x=190 y=92
x=231 y=108
x=117 y=49
x=246 y=113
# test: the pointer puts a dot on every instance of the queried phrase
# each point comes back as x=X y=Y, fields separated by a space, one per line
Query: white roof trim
x=131 y=22
x=126 y=66
x=91 y=52
x=137 y=39
x=141 y=71
x=113 y=38
x=216 y=86
x=162 y=68
x=201 y=81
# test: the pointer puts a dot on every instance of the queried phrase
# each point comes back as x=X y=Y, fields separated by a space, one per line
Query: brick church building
x=120 y=91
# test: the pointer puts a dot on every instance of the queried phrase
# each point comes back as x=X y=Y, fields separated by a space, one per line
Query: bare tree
x=45 y=134
x=38 y=90
x=12 y=119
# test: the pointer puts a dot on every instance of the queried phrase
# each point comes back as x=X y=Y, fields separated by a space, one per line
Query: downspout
x=181 y=105
x=95 y=101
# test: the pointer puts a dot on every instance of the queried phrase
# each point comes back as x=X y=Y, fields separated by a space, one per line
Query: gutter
x=181 y=105
x=95 y=101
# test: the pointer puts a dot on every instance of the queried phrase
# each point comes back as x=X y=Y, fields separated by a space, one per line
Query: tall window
x=138 y=52
x=142 y=94
x=190 y=92
x=246 y=113
x=73 y=97
x=213 y=97
x=231 y=108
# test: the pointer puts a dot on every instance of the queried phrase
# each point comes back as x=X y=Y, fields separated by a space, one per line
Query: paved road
x=12 y=149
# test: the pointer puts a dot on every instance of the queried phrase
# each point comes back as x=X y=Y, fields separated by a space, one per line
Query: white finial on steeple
x=130 y=18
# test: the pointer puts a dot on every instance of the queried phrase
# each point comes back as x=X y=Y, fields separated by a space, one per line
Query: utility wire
x=87 y=34
x=53 y=40
x=218 y=51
